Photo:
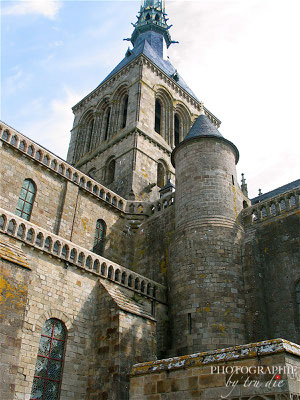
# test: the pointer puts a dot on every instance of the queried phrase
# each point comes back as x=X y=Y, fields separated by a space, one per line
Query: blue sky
x=239 y=56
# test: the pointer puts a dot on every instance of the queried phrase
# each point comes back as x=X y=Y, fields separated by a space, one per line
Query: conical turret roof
x=204 y=128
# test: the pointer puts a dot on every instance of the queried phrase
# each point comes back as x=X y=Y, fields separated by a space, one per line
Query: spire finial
x=244 y=186
x=152 y=17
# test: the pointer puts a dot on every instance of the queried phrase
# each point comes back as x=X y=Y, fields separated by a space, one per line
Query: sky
x=240 y=57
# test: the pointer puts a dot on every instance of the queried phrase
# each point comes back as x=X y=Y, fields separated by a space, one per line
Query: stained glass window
x=48 y=368
x=99 y=240
x=26 y=199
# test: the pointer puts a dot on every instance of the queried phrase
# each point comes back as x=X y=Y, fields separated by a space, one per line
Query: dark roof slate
x=203 y=127
x=276 y=192
x=145 y=48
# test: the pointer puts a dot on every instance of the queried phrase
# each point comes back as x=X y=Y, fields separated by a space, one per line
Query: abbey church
x=138 y=268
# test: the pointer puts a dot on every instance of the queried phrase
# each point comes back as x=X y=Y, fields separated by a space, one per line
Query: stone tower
x=124 y=131
x=205 y=274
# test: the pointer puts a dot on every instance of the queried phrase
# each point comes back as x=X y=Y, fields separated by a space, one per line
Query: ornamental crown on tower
x=152 y=17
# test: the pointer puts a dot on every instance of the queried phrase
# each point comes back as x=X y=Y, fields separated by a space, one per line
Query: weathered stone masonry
x=177 y=272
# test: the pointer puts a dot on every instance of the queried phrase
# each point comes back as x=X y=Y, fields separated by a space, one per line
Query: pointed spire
x=152 y=17
x=244 y=186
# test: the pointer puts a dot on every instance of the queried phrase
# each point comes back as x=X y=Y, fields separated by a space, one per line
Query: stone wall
x=62 y=206
x=152 y=245
x=120 y=338
x=109 y=327
x=237 y=373
x=14 y=280
x=272 y=270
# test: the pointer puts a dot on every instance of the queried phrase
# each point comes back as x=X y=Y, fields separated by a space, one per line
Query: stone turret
x=205 y=276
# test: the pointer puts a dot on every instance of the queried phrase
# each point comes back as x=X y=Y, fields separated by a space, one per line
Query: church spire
x=152 y=17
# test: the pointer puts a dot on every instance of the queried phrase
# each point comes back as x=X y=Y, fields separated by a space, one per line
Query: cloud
x=244 y=68
x=46 y=8
x=53 y=122
x=16 y=81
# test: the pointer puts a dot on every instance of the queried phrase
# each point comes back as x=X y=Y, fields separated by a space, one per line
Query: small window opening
x=232 y=177
x=153 y=308
x=190 y=323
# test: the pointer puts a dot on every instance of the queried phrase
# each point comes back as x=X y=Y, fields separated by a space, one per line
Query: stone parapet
x=224 y=373
x=44 y=157
x=277 y=206
x=72 y=254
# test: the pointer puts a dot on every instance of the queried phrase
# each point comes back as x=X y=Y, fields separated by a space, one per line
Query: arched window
x=89 y=135
x=157 y=126
x=125 y=110
x=49 y=364
x=161 y=175
x=100 y=234
x=176 y=129
x=107 y=118
x=26 y=199
x=111 y=169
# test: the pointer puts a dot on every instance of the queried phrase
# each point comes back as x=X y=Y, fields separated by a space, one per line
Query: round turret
x=206 y=295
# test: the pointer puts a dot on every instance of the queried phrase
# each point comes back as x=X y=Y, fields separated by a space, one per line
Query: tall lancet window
x=89 y=135
x=176 y=129
x=26 y=199
x=106 y=127
x=125 y=110
x=99 y=240
x=157 y=116
x=49 y=364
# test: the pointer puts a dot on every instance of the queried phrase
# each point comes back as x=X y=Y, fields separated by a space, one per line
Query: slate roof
x=276 y=192
x=168 y=185
x=204 y=128
x=123 y=301
x=143 y=47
